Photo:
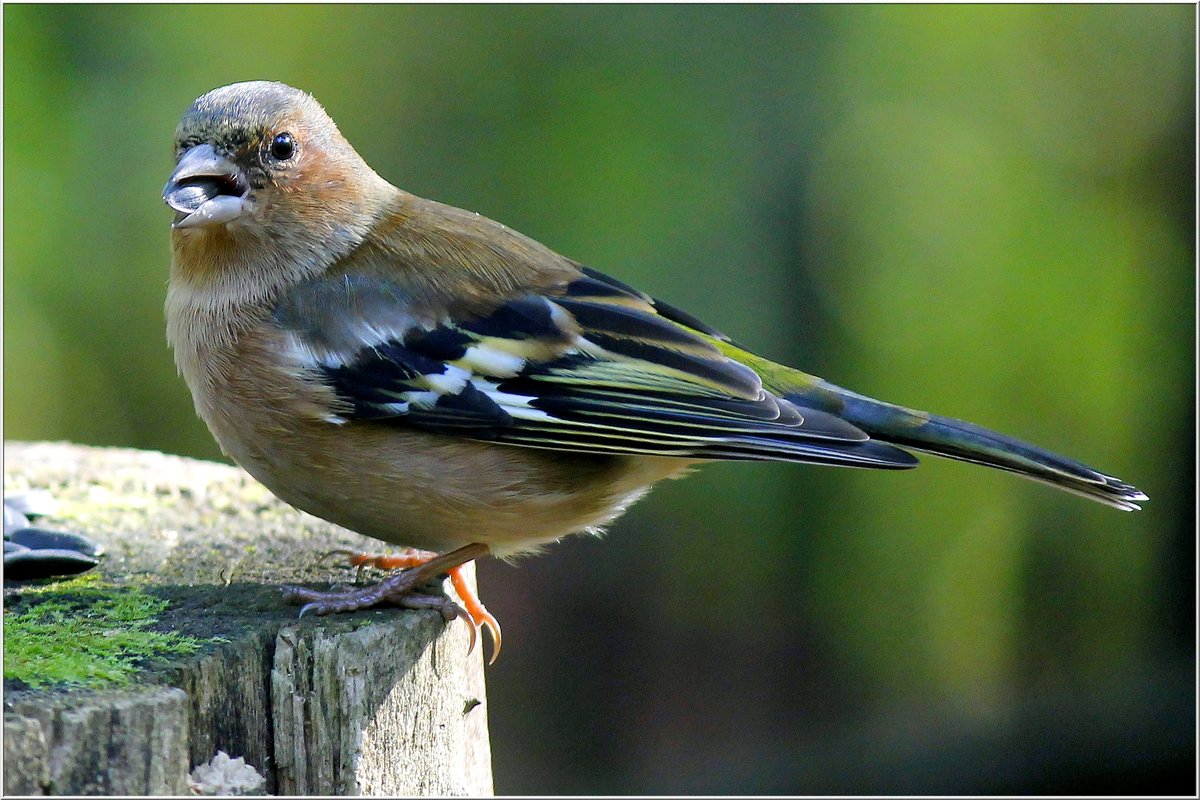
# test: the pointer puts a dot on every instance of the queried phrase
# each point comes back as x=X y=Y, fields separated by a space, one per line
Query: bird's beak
x=205 y=189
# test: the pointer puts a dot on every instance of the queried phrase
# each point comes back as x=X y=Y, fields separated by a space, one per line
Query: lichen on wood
x=374 y=702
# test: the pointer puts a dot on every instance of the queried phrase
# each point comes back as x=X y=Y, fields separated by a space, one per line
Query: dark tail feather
x=964 y=441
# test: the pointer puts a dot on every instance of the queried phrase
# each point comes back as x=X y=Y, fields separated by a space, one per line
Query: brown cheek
x=315 y=185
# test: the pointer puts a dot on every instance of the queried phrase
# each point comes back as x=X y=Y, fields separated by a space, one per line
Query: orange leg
x=477 y=613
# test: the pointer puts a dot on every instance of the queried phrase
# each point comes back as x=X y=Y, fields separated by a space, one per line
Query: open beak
x=206 y=189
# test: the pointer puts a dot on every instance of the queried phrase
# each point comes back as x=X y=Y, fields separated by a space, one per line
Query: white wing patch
x=517 y=405
x=452 y=381
x=309 y=354
x=488 y=360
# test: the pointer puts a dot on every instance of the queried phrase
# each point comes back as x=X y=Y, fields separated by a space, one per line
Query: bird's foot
x=322 y=603
x=476 y=613
x=420 y=567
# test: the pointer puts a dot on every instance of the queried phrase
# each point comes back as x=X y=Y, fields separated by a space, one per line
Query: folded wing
x=590 y=366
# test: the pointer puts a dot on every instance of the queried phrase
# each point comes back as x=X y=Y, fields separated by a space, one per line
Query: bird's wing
x=588 y=366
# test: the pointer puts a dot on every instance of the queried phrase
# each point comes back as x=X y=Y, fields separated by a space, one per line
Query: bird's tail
x=964 y=441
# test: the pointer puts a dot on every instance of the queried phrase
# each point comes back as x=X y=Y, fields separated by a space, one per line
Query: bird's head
x=259 y=163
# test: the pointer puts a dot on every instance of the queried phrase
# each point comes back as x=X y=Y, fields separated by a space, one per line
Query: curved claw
x=474 y=636
x=308 y=607
x=493 y=626
x=295 y=594
x=338 y=551
x=477 y=614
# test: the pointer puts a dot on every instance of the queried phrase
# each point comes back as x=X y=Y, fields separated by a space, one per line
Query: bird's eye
x=283 y=147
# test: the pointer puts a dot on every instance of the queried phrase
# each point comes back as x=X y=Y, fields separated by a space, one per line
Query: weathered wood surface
x=383 y=702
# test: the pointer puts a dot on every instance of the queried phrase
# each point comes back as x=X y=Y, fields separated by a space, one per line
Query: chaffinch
x=428 y=377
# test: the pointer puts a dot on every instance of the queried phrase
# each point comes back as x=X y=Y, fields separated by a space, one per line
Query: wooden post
x=376 y=702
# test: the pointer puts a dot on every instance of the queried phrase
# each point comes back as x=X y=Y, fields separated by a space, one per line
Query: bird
x=433 y=379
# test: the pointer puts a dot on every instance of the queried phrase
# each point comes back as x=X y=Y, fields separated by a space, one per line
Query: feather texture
x=589 y=366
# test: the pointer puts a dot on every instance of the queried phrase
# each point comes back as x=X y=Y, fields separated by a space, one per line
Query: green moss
x=85 y=633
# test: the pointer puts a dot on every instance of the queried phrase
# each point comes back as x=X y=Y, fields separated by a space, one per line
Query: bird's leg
x=420 y=567
x=409 y=557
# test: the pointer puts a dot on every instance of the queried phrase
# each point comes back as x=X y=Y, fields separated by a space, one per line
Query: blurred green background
x=982 y=211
